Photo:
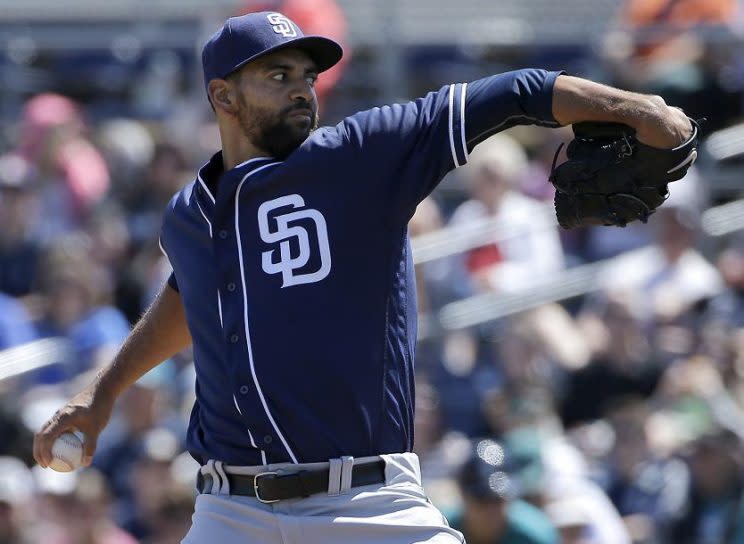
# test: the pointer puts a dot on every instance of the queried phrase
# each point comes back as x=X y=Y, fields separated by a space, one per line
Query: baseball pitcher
x=293 y=279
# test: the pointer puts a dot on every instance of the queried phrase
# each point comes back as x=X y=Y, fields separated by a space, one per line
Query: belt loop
x=215 y=478
x=225 y=483
x=347 y=464
x=334 y=476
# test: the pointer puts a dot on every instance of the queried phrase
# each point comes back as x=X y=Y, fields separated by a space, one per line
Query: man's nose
x=302 y=91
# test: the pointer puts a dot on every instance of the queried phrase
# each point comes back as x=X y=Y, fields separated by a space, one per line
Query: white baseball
x=67 y=453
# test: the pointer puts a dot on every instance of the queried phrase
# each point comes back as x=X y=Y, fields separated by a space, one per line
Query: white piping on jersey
x=204 y=216
x=462 y=121
x=245 y=313
x=451 y=114
x=209 y=193
x=250 y=436
x=254 y=159
x=162 y=249
x=219 y=308
x=160 y=244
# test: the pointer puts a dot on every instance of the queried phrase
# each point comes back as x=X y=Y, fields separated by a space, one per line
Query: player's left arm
x=656 y=124
x=426 y=138
x=410 y=147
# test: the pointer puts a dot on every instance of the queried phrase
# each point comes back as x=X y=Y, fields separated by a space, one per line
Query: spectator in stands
x=567 y=488
x=667 y=50
x=441 y=450
x=172 y=519
x=136 y=450
x=538 y=345
x=77 y=308
x=647 y=489
x=622 y=363
x=532 y=354
x=124 y=229
x=73 y=175
x=151 y=484
x=713 y=513
x=433 y=277
x=721 y=325
x=492 y=511
x=113 y=252
x=727 y=308
x=108 y=238
x=669 y=278
x=127 y=147
x=15 y=324
x=19 y=250
x=16 y=491
x=74 y=509
x=528 y=249
x=144 y=203
x=459 y=376
x=572 y=519
x=17 y=437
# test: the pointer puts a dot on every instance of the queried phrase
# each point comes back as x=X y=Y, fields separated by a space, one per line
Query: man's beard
x=276 y=134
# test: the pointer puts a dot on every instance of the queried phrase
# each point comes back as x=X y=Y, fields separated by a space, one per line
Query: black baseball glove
x=610 y=178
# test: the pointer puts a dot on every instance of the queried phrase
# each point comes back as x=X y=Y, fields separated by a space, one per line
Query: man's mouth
x=301 y=113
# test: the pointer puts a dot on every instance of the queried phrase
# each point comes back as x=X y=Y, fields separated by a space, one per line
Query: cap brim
x=324 y=51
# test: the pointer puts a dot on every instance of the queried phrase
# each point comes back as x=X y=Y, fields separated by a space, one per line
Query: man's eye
x=279 y=77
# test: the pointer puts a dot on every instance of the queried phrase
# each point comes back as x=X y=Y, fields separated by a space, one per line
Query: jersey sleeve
x=410 y=147
x=493 y=104
x=172 y=282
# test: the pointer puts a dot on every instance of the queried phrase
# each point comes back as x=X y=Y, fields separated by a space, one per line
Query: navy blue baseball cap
x=248 y=37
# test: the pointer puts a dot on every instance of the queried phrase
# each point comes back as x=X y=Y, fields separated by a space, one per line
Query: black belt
x=271 y=487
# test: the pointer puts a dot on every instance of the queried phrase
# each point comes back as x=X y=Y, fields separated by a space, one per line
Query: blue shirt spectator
x=15 y=326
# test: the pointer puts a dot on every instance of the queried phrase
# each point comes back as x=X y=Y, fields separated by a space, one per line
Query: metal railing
x=32 y=355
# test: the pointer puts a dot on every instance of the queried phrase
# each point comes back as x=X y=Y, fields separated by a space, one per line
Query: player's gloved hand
x=611 y=178
x=86 y=412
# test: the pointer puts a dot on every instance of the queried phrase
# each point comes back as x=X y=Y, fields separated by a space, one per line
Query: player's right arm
x=160 y=333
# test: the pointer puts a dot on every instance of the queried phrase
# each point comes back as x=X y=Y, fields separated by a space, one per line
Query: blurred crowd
x=614 y=416
x=79 y=262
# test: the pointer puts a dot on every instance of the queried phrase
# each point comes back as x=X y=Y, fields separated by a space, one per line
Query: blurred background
x=578 y=386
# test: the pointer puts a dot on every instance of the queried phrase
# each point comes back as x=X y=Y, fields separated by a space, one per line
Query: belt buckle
x=255 y=487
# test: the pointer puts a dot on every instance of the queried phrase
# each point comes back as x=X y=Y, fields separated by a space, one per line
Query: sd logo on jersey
x=284 y=232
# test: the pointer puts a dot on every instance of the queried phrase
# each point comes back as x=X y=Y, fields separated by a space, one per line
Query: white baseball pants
x=394 y=512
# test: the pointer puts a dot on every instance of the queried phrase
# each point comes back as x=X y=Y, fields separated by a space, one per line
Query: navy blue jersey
x=298 y=282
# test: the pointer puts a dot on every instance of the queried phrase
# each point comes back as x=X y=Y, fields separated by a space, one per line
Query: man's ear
x=222 y=95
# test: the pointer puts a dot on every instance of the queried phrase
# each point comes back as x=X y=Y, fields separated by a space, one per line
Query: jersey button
x=243 y=389
x=222 y=234
x=234 y=338
x=268 y=439
x=231 y=287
